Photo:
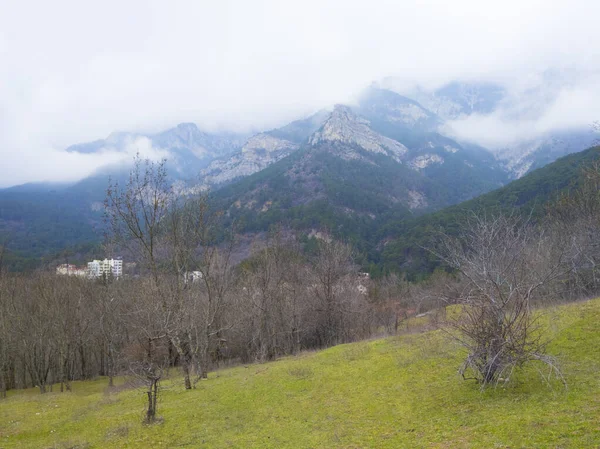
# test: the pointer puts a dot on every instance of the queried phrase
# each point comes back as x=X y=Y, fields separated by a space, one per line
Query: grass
x=400 y=392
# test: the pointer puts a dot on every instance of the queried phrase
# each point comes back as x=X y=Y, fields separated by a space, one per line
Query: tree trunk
x=2 y=385
x=152 y=400
x=83 y=361
x=186 y=375
x=110 y=366
x=150 y=413
x=204 y=365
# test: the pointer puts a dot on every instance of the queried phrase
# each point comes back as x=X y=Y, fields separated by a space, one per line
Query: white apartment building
x=71 y=270
x=192 y=276
x=106 y=267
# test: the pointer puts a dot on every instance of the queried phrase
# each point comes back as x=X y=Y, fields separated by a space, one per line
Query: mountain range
x=353 y=170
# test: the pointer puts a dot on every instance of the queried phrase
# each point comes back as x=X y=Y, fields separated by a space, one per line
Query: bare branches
x=135 y=214
x=504 y=262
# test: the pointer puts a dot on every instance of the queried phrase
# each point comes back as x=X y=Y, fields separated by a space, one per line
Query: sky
x=75 y=71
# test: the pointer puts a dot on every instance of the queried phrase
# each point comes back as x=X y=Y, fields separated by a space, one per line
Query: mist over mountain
x=357 y=164
x=525 y=123
x=390 y=154
x=186 y=147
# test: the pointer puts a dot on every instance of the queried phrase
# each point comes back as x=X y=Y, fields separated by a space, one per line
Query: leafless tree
x=390 y=297
x=271 y=282
x=137 y=218
x=108 y=303
x=201 y=264
x=147 y=350
x=333 y=288
x=504 y=262
x=176 y=235
x=6 y=337
x=32 y=315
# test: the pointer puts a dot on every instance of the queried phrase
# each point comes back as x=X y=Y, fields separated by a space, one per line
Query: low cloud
x=54 y=165
x=76 y=71
x=533 y=112
x=133 y=146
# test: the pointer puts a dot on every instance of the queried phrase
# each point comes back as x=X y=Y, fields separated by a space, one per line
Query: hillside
x=530 y=194
x=400 y=392
x=351 y=179
x=36 y=224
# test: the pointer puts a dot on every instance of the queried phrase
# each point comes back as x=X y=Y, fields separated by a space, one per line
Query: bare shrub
x=504 y=263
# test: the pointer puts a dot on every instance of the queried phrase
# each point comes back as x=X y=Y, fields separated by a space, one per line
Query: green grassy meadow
x=399 y=392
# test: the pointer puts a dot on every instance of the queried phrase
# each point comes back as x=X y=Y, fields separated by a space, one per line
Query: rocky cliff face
x=345 y=127
x=522 y=157
x=258 y=152
x=262 y=150
x=265 y=143
x=423 y=161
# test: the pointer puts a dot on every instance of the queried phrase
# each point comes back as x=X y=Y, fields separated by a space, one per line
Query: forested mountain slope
x=406 y=240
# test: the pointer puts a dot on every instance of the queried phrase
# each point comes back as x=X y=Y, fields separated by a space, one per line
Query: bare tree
x=504 y=262
x=147 y=351
x=137 y=220
x=32 y=315
x=394 y=302
x=65 y=300
x=6 y=335
x=332 y=284
x=203 y=269
x=271 y=285
x=109 y=298
x=176 y=235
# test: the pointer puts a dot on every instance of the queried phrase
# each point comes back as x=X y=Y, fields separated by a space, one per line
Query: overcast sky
x=73 y=71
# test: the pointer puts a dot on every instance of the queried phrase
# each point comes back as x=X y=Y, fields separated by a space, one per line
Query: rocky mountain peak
x=381 y=104
x=186 y=133
x=343 y=112
x=187 y=126
x=344 y=126
x=267 y=143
